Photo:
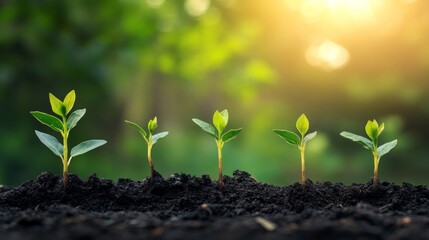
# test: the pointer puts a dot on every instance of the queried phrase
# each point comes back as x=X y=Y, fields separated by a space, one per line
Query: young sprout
x=373 y=130
x=302 y=124
x=150 y=139
x=220 y=120
x=64 y=126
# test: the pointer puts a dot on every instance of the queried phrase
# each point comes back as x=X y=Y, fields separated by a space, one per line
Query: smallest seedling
x=302 y=124
x=149 y=138
x=373 y=130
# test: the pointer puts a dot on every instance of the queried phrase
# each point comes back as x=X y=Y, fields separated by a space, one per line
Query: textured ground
x=185 y=207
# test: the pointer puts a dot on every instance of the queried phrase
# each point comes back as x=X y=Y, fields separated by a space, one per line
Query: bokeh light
x=155 y=3
x=197 y=8
x=327 y=55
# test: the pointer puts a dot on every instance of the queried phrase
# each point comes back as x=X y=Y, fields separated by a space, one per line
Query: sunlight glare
x=327 y=55
x=312 y=10
x=356 y=5
x=355 y=10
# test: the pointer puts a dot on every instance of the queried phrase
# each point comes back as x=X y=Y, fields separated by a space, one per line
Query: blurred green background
x=341 y=62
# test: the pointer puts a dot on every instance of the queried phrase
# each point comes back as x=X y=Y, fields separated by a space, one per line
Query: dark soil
x=185 y=207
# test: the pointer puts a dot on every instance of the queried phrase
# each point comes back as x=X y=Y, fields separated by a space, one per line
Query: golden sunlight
x=356 y=5
x=327 y=55
x=349 y=10
x=339 y=19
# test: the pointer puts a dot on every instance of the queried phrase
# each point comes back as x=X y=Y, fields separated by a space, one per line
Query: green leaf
x=140 y=129
x=205 y=127
x=57 y=106
x=231 y=134
x=86 y=146
x=152 y=125
x=225 y=116
x=219 y=122
x=385 y=148
x=74 y=118
x=371 y=129
x=48 y=120
x=288 y=136
x=158 y=136
x=359 y=139
x=69 y=101
x=302 y=124
x=380 y=129
x=52 y=143
x=309 y=137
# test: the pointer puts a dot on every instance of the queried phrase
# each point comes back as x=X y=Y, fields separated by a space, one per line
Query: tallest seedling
x=63 y=126
x=220 y=120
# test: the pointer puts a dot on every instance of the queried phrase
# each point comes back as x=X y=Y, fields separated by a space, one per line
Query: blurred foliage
x=136 y=59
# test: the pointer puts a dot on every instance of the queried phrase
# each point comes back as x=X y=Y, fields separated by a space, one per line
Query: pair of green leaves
x=220 y=120
x=149 y=138
x=63 y=108
x=57 y=148
x=56 y=124
x=373 y=130
x=302 y=125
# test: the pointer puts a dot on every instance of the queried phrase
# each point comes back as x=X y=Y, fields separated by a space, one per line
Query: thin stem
x=302 y=166
x=376 y=161
x=65 y=177
x=65 y=153
x=219 y=144
x=149 y=158
x=302 y=150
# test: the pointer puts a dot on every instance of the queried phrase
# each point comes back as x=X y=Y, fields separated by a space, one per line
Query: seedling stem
x=149 y=158
x=219 y=144
x=376 y=161
x=302 y=166
x=65 y=150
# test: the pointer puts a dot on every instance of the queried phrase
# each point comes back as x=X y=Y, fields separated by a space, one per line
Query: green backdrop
x=339 y=62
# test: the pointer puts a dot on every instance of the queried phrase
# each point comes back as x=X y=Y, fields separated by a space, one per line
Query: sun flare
x=327 y=55
x=336 y=20
x=339 y=11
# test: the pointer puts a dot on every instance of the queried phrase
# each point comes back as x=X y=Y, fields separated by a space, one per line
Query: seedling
x=373 y=130
x=149 y=138
x=220 y=120
x=302 y=124
x=64 y=126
